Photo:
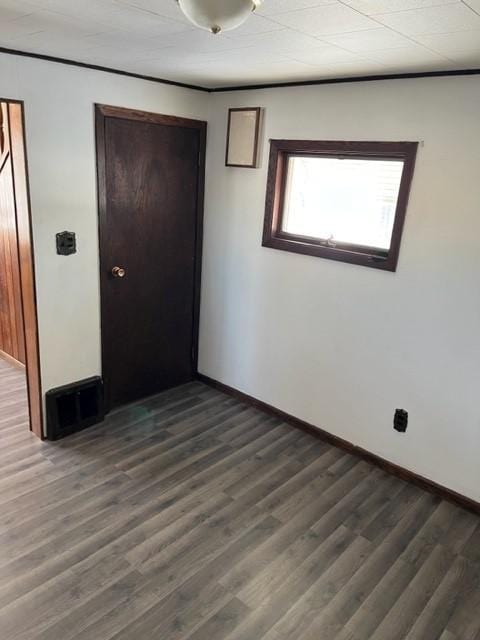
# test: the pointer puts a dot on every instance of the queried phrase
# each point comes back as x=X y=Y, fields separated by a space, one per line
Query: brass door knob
x=118 y=272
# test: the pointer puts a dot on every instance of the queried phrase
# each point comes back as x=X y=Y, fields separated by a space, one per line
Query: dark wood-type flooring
x=192 y=515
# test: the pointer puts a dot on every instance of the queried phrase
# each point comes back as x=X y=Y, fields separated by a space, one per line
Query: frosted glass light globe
x=218 y=15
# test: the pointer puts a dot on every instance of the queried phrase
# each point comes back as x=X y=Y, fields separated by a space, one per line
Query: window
x=339 y=200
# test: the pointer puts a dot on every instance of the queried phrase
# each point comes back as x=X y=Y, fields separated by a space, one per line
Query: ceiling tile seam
x=105 y=24
x=380 y=24
x=290 y=53
x=318 y=38
x=364 y=55
x=298 y=31
x=396 y=49
x=396 y=11
x=18 y=18
x=411 y=38
x=465 y=2
x=35 y=13
x=135 y=7
x=315 y=6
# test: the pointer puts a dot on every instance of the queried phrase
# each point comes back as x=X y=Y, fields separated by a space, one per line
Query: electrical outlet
x=400 y=420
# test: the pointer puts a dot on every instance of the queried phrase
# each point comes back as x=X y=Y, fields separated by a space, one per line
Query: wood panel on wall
x=12 y=338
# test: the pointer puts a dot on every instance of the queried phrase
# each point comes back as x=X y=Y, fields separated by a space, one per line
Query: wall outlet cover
x=66 y=243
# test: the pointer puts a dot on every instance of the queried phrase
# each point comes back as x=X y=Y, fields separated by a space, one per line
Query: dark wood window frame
x=275 y=238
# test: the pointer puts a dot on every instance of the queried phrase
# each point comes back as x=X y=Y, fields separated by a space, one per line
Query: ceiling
x=286 y=40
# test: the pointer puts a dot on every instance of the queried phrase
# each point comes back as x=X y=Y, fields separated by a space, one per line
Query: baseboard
x=11 y=360
x=386 y=465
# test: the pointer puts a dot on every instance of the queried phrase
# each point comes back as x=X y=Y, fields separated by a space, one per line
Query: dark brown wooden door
x=151 y=199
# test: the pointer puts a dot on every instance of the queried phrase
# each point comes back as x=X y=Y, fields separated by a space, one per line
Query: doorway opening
x=20 y=389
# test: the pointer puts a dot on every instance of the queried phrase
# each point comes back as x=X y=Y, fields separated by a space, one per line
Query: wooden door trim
x=148 y=116
x=101 y=113
x=27 y=262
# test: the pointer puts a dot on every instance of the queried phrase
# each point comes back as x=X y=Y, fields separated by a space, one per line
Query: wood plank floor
x=193 y=516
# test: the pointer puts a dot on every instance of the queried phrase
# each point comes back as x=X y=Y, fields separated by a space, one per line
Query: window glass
x=342 y=200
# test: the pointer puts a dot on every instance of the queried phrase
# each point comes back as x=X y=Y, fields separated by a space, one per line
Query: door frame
x=26 y=257
x=102 y=112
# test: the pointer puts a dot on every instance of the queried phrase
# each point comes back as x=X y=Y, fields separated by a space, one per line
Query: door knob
x=118 y=272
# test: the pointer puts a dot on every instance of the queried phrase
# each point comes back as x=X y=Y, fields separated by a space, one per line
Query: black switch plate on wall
x=66 y=243
x=400 y=420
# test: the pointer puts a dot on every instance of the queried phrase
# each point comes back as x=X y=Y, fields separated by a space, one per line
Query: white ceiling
x=285 y=40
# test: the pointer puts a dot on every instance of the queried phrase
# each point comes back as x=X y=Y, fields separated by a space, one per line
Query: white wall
x=342 y=346
x=59 y=112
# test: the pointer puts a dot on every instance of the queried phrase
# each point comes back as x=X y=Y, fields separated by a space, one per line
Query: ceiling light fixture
x=218 y=15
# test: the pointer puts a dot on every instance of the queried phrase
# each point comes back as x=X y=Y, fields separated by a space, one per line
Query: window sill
x=350 y=256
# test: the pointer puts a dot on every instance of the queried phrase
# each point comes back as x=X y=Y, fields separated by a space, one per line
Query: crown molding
x=245 y=87
x=350 y=79
x=95 y=67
